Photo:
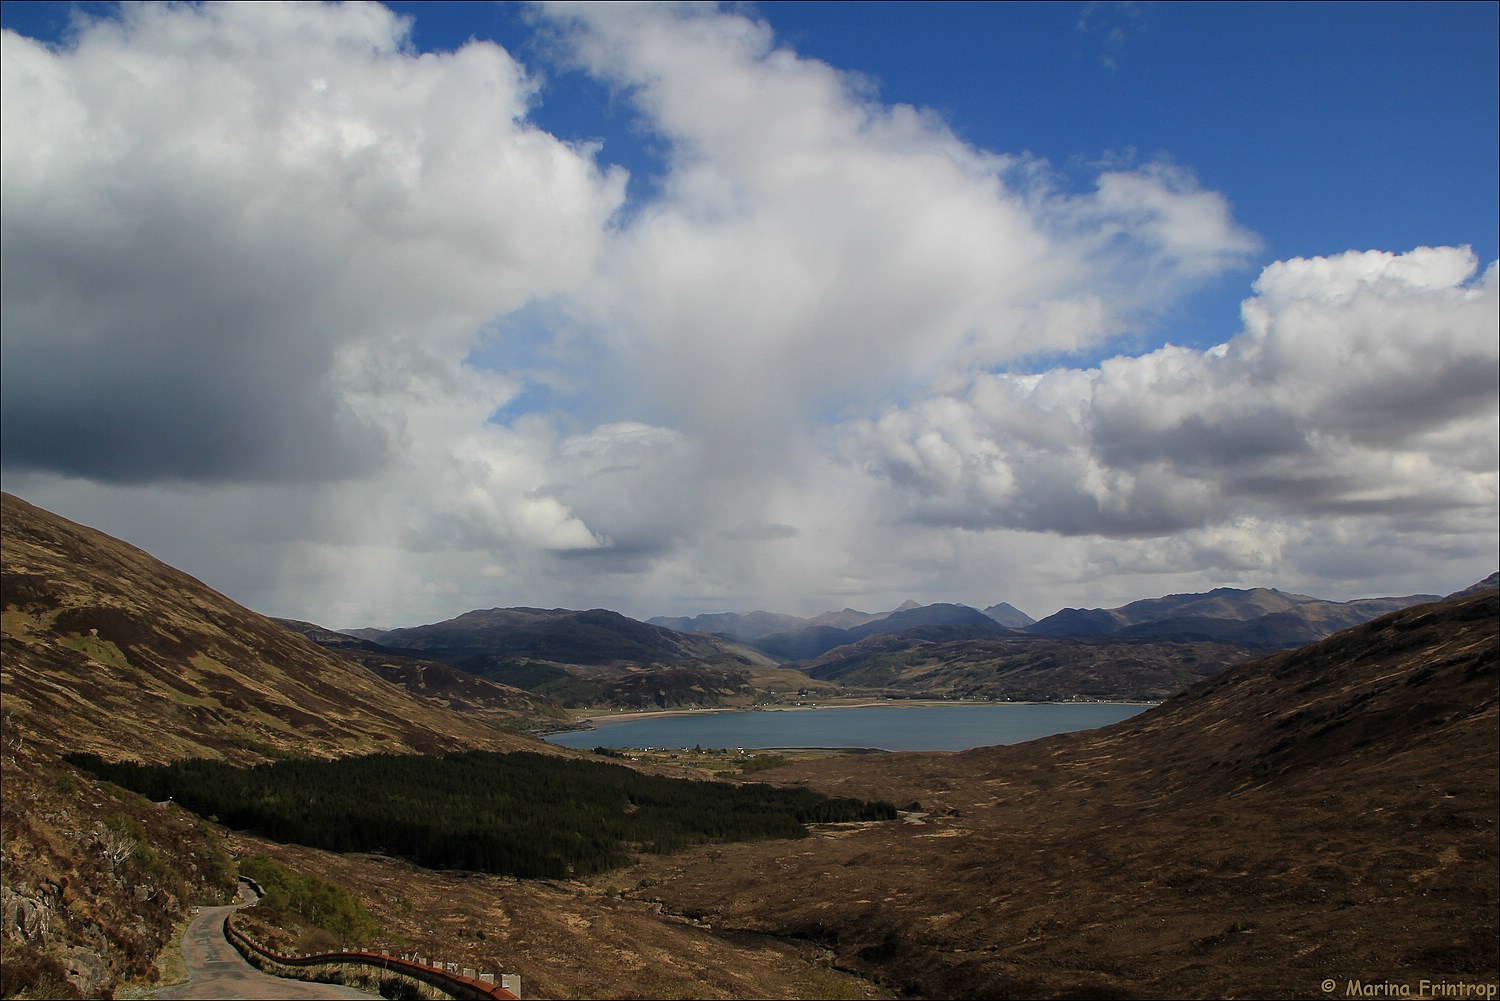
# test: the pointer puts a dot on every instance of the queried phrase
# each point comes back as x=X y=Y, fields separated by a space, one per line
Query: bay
x=890 y=727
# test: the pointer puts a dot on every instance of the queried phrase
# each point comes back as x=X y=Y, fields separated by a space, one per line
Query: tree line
x=522 y=813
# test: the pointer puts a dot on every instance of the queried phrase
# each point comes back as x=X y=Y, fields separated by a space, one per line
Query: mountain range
x=759 y=625
x=1257 y=617
x=1254 y=617
x=1145 y=650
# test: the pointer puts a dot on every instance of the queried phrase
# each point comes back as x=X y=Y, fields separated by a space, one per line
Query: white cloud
x=219 y=221
x=270 y=275
x=814 y=249
x=1362 y=385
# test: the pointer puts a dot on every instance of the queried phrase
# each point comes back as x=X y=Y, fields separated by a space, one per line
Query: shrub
x=339 y=913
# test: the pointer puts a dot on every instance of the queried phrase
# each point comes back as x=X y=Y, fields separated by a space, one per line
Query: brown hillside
x=107 y=649
x=1328 y=813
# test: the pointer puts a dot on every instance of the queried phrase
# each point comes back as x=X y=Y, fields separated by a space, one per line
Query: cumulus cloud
x=815 y=249
x=222 y=223
x=1361 y=383
x=281 y=296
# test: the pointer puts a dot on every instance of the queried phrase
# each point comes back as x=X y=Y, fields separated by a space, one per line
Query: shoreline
x=594 y=720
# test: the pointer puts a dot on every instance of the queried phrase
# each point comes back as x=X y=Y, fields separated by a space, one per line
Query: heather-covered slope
x=107 y=649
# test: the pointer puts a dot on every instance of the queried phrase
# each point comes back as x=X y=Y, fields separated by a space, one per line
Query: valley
x=1281 y=818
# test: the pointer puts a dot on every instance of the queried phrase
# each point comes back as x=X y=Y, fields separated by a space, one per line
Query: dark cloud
x=240 y=241
x=763 y=532
x=201 y=387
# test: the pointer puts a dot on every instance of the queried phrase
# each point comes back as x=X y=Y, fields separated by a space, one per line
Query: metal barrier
x=461 y=986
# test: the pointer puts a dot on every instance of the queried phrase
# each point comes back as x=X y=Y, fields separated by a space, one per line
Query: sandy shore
x=595 y=719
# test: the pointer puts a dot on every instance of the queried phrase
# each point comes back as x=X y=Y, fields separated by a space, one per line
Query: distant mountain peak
x=1009 y=615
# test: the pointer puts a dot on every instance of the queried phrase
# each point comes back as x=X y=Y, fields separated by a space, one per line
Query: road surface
x=216 y=972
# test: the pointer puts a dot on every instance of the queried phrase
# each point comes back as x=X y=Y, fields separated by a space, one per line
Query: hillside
x=107 y=650
x=951 y=621
x=1324 y=813
x=940 y=661
x=581 y=658
x=561 y=635
x=455 y=689
x=738 y=625
x=750 y=626
x=99 y=638
x=1009 y=615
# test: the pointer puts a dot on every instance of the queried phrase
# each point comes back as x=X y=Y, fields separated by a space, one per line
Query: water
x=892 y=728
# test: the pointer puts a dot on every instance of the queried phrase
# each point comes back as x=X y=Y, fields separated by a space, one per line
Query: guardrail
x=462 y=987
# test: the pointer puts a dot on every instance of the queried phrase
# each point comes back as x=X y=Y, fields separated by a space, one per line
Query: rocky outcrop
x=27 y=916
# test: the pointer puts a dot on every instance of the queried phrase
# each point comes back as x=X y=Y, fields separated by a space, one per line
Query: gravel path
x=216 y=972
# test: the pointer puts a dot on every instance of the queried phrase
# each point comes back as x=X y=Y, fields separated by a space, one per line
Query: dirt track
x=216 y=972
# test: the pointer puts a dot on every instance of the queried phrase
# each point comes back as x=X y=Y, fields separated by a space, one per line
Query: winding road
x=217 y=972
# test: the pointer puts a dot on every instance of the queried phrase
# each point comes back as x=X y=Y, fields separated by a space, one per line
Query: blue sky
x=1328 y=126
x=788 y=305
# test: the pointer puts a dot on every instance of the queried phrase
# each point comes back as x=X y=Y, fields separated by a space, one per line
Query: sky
x=372 y=315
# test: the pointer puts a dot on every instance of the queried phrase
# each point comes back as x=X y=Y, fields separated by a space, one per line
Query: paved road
x=216 y=972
